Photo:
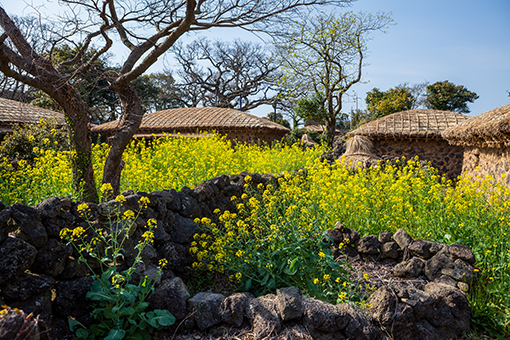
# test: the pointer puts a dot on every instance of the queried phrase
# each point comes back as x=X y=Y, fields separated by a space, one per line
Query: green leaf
x=247 y=284
x=116 y=334
x=74 y=324
x=82 y=333
x=265 y=279
x=127 y=311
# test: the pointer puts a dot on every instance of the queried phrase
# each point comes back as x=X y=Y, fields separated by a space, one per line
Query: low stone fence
x=40 y=274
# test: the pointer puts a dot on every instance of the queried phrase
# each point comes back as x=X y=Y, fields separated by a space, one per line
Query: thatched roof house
x=13 y=112
x=486 y=142
x=234 y=124
x=416 y=133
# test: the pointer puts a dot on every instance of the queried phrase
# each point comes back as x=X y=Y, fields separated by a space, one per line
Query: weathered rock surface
x=16 y=256
x=207 y=309
x=368 y=245
x=233 y=308
x=172 y=296
x=289 y=303
x=402 y=238
x=263 y=316
x=27 y=285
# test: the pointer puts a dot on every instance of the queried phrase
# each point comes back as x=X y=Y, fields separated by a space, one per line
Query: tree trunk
x=330 y=131
x=77 y=118
x=129 y=124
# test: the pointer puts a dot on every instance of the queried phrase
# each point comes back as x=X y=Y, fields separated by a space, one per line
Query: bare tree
x=147 y=29
x=234 y=75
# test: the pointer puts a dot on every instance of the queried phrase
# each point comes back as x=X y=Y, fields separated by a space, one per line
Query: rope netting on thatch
x=191 y=119
x=411 y=124
x=490 y=129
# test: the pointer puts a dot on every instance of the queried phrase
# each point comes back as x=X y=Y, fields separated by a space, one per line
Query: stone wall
x=446 y=158
x=40 y=274
x=484 y=161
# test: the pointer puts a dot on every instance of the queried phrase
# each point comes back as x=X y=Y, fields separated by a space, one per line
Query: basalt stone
x=176 y=204
x=232 y=190
x=389 y=250
x=455 y=304
x=205 y=190
x=384 y=302
x=421 y=248
x=176 y=255
x=207 y=309
x=221 y=181
x=73 y=269
x=5 y=215
x=16 y=256
x=385 y=237
x=168 y=221
x=404 y=325
x=233 y=307
x=27 y=225
x=263 y=316
x=289 y=303
x=435 y=265
x=459 y=251
x=49 y=208
x=342 y=234
x=190 y=207
x=172 y=296
x=55 y=225
x=359 y=324
x=368 y=245
x=51 y=258
x=39 y=304
x=71 y=301
x=460 y=271
x=160 y=234
x=427 y=332
x=26 y=285
x=324 y=317
x=402 y=238
x=183 y=230
x=409 y=269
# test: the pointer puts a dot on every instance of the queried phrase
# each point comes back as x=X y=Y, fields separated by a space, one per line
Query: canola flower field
x=275 y=238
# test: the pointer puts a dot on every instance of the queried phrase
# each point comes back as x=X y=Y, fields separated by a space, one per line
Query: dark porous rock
x=409 y=269
x=460 y=271
x=437 y=247
x=5 y=215
x=148 y=254
x=2 y=206
x=39 y=304
x=428 y=332
x=60 y=329
x=221 y=181
x=176 y=254
x=402 y=238
x=172 y=296
x=55 y=225
x=168 y=221
x=456 y=304
x=183 y=229
x=176 y=204
x=404 y=325
x=51 y=258
x=71 y=301
x=342 y=234
x=160 y=234
x=289 y=303
x=323 y=317
x=263 y=316
x=384 y=302
x=233 y=307
x=73 y=269
x=368 y=245
x=189 y=205
x=27 y=225
x=232 y=190
x=16 y=256
x=49 y=208
x=447 y=280
x=459 y=251
x=385 y=237
x=359 y=326
x=207 y=309
x=435 y=265
x=421 y=248
x=27 y=285
x=205 y=190
x=389 y=250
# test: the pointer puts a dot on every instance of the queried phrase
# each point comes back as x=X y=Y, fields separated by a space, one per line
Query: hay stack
x=359 y=152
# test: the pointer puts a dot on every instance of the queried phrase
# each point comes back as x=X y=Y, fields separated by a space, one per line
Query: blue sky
x=464 y=41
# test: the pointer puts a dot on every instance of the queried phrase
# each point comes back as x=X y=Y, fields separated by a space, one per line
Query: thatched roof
x=490 y=129
x=14 y=112
x=189 y=120
x=410 y=124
